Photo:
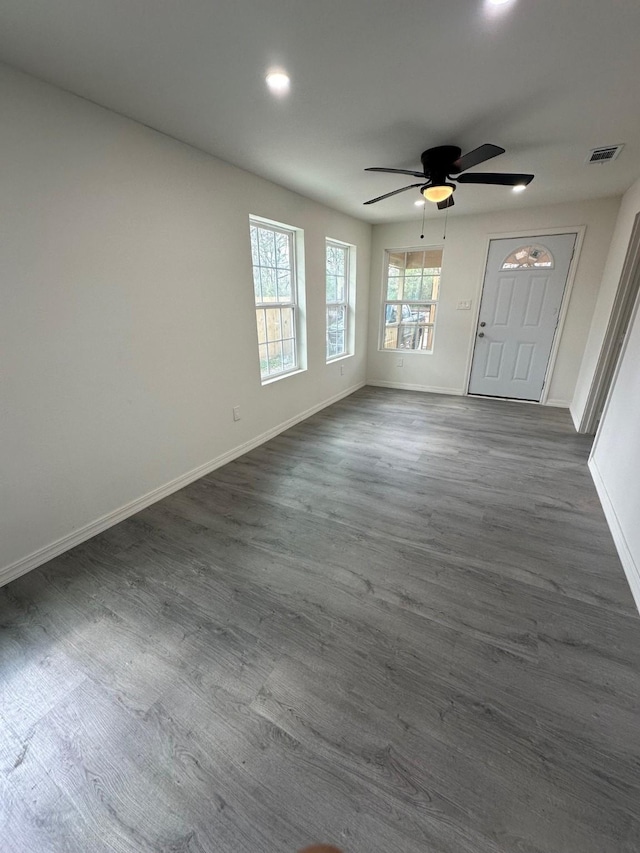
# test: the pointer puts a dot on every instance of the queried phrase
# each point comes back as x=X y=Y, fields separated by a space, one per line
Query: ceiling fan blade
x=395 y=171
x=504 y=180
x=394 y=192
x=448 y=202
x=475 y=157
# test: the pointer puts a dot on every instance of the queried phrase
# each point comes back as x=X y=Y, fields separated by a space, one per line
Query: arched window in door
x=529 y=257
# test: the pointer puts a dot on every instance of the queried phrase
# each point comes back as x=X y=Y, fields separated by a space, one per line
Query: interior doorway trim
x=579 y=231
x=624 y=300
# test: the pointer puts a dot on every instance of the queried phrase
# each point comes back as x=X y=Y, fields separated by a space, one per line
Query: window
x=528 y=257
x=338 y=256
x=412 y=288
x=274 y=283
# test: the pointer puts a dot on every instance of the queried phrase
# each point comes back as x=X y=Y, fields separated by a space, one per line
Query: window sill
x=280 y=376
x=340 y=358
x=406 y=351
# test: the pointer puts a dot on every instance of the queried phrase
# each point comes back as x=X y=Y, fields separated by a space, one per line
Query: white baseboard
x=402 y=386
x=458 y=392
x=631 y=569
x=43 y=555
x=576 y=420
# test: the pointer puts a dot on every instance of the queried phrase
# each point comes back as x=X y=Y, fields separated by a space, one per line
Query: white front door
x=521 y=298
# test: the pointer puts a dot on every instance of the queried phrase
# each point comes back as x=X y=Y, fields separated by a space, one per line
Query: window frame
x=294 y=304
x=345 y=303
x=410 y=302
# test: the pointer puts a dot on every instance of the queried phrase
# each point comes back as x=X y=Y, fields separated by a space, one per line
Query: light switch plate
x=464 y=305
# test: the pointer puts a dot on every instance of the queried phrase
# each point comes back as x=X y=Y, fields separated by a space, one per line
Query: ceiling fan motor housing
x=438 y=162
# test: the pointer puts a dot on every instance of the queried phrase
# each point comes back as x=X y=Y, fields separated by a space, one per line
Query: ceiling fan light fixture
x=519 y=188
x=440 y=192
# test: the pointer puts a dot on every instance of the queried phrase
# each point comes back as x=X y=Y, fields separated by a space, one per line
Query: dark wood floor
x=400 y=626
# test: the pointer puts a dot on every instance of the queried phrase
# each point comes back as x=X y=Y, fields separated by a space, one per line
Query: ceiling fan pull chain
x=424 y=210
x=446 y=216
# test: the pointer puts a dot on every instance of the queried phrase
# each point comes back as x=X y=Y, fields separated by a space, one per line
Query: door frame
x=579 y=231
x=617 y=328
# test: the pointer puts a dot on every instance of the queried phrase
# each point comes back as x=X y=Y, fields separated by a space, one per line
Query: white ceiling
x=374 y=83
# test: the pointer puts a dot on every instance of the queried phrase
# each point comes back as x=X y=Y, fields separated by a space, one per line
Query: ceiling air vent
x=604 y=155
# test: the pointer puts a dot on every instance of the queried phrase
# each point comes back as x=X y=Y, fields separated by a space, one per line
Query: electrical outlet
x=236 y=413
x=342 y=370
x=400 y=362
x=464 y=305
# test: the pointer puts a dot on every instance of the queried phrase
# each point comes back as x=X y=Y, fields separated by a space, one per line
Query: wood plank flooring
x=399 y=626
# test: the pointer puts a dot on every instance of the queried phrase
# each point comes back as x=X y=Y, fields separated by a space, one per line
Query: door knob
x=481 y=334
x=483 y=323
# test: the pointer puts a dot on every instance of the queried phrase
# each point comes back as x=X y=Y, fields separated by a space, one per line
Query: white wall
x=463 y=266
x=629 y=208
x=615 y=457
x=126 y=320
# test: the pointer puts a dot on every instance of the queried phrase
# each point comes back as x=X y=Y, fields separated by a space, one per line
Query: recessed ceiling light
x=278 y=82
x=419 y=203
x=519 y=188
x=496 y=9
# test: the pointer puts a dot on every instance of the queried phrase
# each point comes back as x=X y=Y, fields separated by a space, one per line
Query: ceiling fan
x=438 y=166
